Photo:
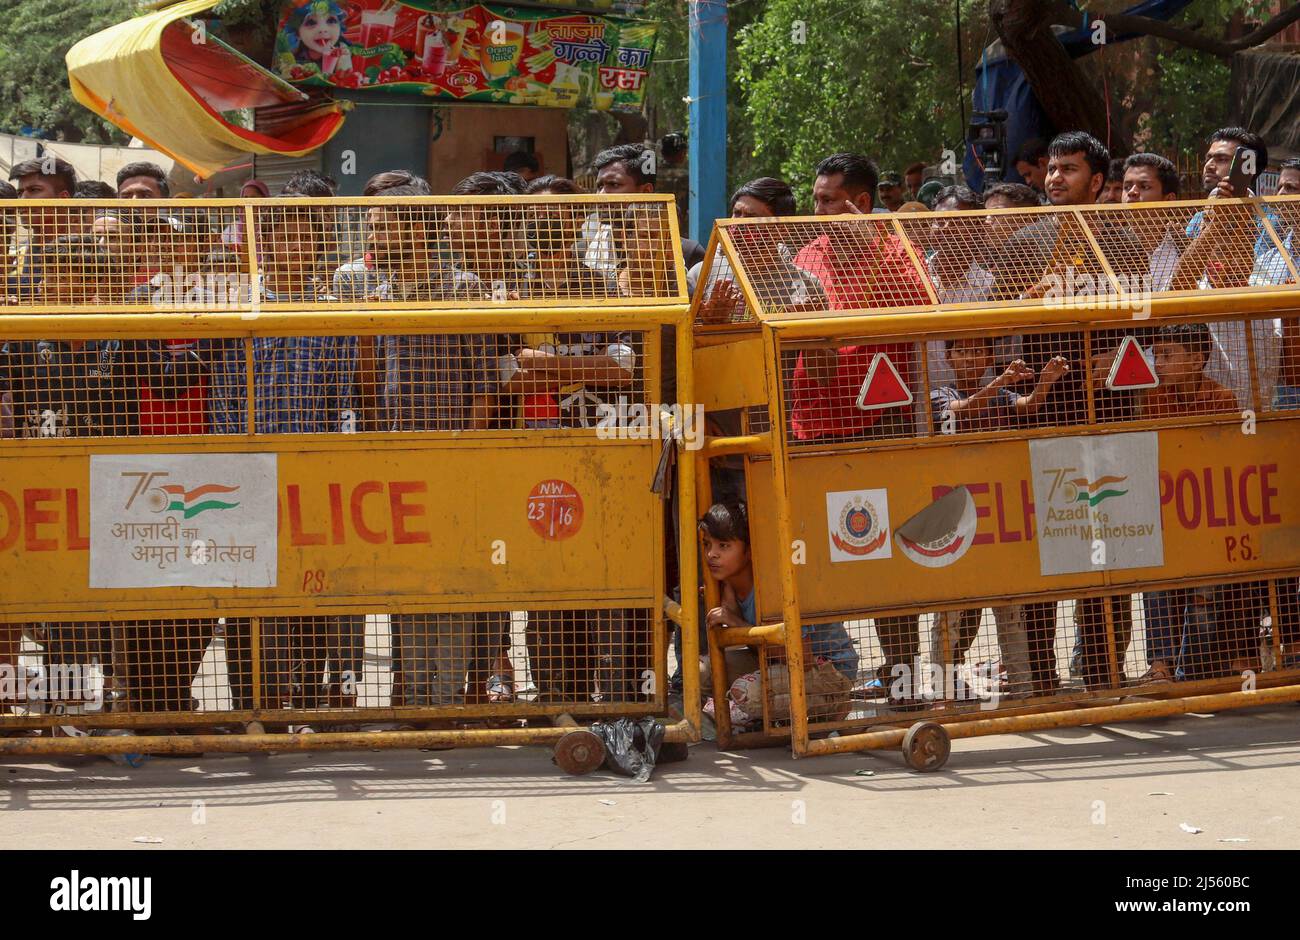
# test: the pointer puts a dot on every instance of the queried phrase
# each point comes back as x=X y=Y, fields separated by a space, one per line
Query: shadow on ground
x=1242 y=740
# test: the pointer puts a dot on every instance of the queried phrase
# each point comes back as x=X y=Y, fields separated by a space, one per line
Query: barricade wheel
x=579 y=752
x=670 y=752
x=926 y=746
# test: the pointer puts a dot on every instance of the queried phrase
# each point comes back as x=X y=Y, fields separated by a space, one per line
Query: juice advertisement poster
x=489 y=54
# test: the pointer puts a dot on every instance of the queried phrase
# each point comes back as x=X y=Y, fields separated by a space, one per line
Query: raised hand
x=1056 y=367
x=723 y=302
x=1016 y=372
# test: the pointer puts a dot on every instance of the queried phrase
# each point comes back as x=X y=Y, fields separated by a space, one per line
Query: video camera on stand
x=987 y=133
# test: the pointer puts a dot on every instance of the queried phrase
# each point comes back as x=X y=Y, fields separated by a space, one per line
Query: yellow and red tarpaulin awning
x=161 y=79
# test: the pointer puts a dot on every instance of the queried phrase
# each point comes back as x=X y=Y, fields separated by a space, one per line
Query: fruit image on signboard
x=475 y=52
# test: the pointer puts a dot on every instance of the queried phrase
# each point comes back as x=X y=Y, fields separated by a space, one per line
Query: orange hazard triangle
x=1130 y=368
x=883 y=387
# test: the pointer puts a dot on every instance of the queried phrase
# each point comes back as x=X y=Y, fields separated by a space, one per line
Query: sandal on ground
x=500 y=689
x=1158 y=672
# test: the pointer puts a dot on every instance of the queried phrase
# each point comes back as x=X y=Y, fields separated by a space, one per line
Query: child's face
x=69 y=289
x=1177 y=363
x=946 y=234
x=551 y=232
x=194 y=247
x=725 y=558
x=319 y=33
x=145 y=243
x=970 y=359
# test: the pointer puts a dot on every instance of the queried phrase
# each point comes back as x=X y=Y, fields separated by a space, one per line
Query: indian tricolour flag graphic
x=200 y=499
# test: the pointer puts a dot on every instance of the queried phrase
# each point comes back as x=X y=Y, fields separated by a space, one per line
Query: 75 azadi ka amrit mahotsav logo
x=174 y=497
x=1079 y=489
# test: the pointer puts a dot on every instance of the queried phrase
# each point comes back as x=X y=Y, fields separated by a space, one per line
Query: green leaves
x=33 y=77
x=875 y=76
x=1190 y=99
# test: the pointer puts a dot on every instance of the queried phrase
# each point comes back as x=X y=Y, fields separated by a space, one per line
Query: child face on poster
x=320 y=30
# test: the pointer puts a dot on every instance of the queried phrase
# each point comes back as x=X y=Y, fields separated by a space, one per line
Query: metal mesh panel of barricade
x=320 y=384
x=1276 y=266
x=564 y=251
x=960 y=251
x=807 y=267
x=852 y=390
x=757 y=420
x=1008 y=256
x=438 y=382
x=1286 y=396
x=1277 y=262
x=440 y=252
x=912 y=666
x=408 y=667
x=1087 y=257
x=89 y=253
x=841 y=391
x=63 y=387
x=1153 y=248
x=719 y=298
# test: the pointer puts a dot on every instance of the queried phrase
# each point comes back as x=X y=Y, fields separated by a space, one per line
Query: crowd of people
x=413 y=253
x=1044 y=378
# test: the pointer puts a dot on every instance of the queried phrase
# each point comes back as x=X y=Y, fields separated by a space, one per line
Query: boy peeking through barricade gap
x=831 y=661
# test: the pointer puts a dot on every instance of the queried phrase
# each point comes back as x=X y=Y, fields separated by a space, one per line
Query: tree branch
x=1118 y=23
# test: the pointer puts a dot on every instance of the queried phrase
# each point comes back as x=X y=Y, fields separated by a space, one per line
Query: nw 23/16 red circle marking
x=555 y=510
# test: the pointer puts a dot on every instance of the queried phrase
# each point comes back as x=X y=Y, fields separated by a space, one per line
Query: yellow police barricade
x=321 y=465
x=1005 y=470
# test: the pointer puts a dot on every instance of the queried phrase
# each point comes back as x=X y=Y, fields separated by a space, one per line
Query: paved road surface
x=1235 y=775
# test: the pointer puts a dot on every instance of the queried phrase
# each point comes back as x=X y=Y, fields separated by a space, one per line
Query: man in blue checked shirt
x=436 y=381
x=301 y=385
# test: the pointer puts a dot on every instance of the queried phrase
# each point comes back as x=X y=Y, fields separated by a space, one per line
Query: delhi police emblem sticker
x=858 y=521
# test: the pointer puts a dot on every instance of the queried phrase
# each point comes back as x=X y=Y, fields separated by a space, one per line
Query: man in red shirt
x=861 y=267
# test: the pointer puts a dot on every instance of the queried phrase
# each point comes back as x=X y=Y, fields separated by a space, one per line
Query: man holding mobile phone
x=1220 y=256
x=1234 y=154
x=1234 y=159
x=1217 y=172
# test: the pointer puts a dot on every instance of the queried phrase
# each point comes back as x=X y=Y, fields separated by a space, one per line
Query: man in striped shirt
x=429 y=382
x=301 y=385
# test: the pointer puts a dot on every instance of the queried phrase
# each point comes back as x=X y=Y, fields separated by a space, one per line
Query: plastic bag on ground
x=631 y=747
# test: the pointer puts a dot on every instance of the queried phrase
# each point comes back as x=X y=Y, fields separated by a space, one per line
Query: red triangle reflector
x=883 y=387
x=1130 y=368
